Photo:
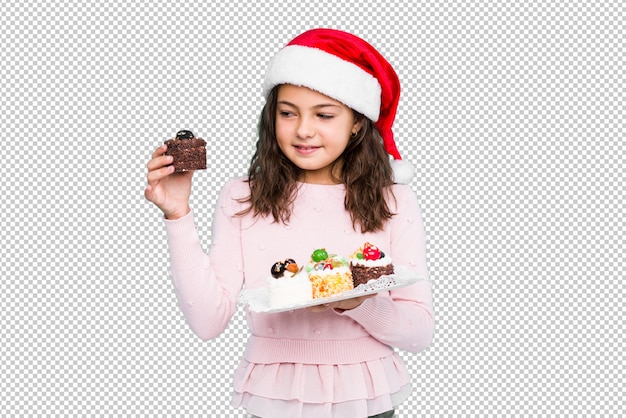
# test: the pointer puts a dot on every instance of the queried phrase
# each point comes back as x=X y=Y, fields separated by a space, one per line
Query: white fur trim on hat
x=327 y=74
x=403 y=171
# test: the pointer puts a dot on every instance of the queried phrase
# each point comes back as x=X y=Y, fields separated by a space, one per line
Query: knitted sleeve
x=207 y=285
x=402 y=318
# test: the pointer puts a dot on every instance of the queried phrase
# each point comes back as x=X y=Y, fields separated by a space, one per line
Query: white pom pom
x=403 y=171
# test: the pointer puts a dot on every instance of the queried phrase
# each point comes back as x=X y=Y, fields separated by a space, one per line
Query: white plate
x=258 y=299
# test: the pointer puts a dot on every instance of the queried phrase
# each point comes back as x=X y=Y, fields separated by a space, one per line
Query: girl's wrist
x=174 y=215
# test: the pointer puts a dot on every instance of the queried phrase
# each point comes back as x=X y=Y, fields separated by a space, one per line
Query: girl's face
x=312 y=131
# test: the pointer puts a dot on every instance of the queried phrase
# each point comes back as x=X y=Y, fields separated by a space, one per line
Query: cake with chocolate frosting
x=369 y=263
x=189 y=152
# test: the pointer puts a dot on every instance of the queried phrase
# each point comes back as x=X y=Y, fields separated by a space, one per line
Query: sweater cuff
x=184 y=243
x=373 y=313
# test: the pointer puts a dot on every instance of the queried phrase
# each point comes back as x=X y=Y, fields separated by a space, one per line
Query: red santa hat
x=350 y=70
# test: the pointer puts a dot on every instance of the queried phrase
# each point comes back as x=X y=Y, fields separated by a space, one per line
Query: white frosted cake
x=288 y=285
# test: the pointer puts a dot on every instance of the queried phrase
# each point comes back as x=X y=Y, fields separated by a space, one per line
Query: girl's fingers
x=159 y=161
x=319 y=308
x=147 y=192
x=159 y=158
x=159 y=151
x=157 y=174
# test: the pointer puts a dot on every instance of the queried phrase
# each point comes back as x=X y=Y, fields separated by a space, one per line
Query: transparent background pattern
x=512 y=112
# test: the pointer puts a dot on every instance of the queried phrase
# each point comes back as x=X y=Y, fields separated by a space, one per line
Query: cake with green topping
x=329 y=274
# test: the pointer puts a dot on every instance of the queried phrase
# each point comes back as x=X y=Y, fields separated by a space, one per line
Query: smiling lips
x=306 y=149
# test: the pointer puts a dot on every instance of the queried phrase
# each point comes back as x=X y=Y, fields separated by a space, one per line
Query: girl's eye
x=325 y=116
x=285 y=113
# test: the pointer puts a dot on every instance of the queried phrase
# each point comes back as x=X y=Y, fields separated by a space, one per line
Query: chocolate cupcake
x=188 y=151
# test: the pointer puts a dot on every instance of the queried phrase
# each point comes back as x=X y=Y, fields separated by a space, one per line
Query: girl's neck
x=322 y=177
x=320 y=182
x=324 y=181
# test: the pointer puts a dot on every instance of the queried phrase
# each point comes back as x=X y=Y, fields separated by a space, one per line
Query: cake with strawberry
x=369 y=263
x=329 y=274
x=288 y=284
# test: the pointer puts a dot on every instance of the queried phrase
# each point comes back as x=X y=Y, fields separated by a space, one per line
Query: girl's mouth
x=306 y=149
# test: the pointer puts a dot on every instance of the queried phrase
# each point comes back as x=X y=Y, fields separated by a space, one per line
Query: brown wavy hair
x=364 y=169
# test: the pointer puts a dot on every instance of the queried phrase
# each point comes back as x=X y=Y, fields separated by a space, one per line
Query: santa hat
x=350 y=70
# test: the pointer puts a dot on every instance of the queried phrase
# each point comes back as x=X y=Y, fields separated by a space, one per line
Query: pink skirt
x=321 y=391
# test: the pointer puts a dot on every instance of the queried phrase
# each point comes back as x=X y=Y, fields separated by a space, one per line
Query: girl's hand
x=169 y=191
x=342 y=305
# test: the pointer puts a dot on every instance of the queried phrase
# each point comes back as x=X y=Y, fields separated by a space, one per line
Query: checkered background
x=513 y=114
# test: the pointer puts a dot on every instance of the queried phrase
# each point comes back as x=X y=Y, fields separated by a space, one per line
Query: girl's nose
x=306 y=128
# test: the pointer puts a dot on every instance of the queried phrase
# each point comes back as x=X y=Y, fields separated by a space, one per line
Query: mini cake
x=288 y=284
x=329 y=274
x=188 y=151
x=369 y=263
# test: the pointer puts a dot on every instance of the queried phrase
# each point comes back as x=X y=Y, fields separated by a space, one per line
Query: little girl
x=321 y=176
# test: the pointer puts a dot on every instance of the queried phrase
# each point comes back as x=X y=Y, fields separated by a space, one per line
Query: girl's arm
x=402 y=318
x=207 y=285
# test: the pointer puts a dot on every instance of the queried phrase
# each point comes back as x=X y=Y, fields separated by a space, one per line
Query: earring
x=354 y=134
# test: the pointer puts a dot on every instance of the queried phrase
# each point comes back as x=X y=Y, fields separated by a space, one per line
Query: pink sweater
x=244 y=248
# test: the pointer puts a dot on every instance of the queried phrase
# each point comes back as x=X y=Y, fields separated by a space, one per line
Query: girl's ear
x=358 y=124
